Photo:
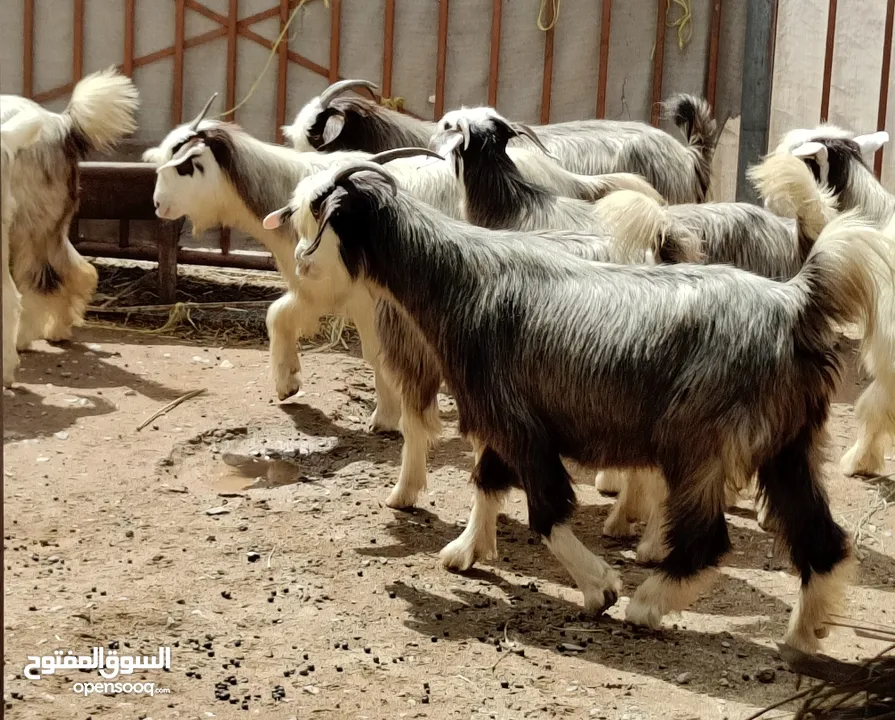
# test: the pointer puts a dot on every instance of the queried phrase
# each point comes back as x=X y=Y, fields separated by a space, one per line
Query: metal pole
x=758 y=65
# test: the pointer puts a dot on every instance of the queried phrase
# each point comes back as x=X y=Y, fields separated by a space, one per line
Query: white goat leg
x=620 y=521
x=875 y=414
x=600 y=584
x=387 y=414
x=284 y=326
x=418 y=431
x=12 y=309
x=610 y=481
x=652 y=548
x=478 y=541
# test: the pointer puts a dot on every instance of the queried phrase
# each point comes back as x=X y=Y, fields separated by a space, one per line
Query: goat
x=836 y=158
x=752 y=239
x=708 y=372
x=217 y=174
x=55 y=281
x=791 y=184
x=17 y=133
x=412 y=364
x=681 y=173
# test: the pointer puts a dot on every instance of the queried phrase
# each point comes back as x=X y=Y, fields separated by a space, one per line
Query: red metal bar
x=232 y=18
x=605 y=25
x=711 y=85
x=658 y=61
x=28 y=59
x=283 y=72
x=884 y=83
x=388 y=52
x=207 y=12
x=293 y=56
x=496 y=18
x=130 y=13
x=77 y=43
x=335 y=39
x=547 y=85
x=828 y=62
x=443 y=12
x=177 y=94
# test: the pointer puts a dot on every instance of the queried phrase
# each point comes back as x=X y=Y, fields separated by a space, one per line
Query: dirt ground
x=286 y=589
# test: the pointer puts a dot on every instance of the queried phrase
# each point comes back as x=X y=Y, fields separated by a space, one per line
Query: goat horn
x=349 y=170
x=523 y=129
x=194 y=126
x=396 y=153
x=328 y=95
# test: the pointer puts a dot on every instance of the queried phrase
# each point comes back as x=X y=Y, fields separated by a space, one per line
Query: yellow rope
x=684 y=23
x=270 y=57
x=541 y=26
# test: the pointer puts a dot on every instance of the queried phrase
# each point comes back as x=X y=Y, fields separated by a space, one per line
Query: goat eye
x=185 y=168
x=200 y=168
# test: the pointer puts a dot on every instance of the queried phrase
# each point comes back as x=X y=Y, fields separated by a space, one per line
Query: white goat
x=17 y=133
x=681 y=173
x=55 y=281
x=217 y=174
x=836 y=157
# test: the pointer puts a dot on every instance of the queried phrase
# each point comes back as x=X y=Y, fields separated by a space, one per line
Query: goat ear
x=190 y=152
x=869 y=144
x=21 y=130
x=276 y=219
x=332 y=128
x=811 y=149
x=449 y=144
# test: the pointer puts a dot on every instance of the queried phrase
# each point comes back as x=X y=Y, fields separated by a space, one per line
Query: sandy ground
x=307 y=598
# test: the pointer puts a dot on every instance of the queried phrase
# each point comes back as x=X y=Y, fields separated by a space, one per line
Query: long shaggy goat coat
x=704 y=371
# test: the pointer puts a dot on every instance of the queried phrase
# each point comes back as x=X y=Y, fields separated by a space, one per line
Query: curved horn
x=396 y=153
x=194 y=126
x=361 y=166
x=336 y=89
x=526 y=131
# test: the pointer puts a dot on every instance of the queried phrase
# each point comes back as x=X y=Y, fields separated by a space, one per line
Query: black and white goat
x=680 y=173
x=705 y=371
x=836 y=157
x=789 y=185
x=17 y=133
x=56 y=283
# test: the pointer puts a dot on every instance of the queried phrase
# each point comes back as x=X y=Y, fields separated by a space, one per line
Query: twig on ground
x=169 y=407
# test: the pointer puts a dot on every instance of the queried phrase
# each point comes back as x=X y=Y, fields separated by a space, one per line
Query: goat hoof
x=460 y=554
x=380 y=424
x=288 y=388
x=401 y=499
x=649 y=554
x=852 y=465
x=618 y=527
x=639 y=613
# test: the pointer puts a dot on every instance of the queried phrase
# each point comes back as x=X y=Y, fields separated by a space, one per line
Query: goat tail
x=694 y=117
x=611 y=182
x=843 y=276
x=101 y=110
x=644 y=231
x=789 y=189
